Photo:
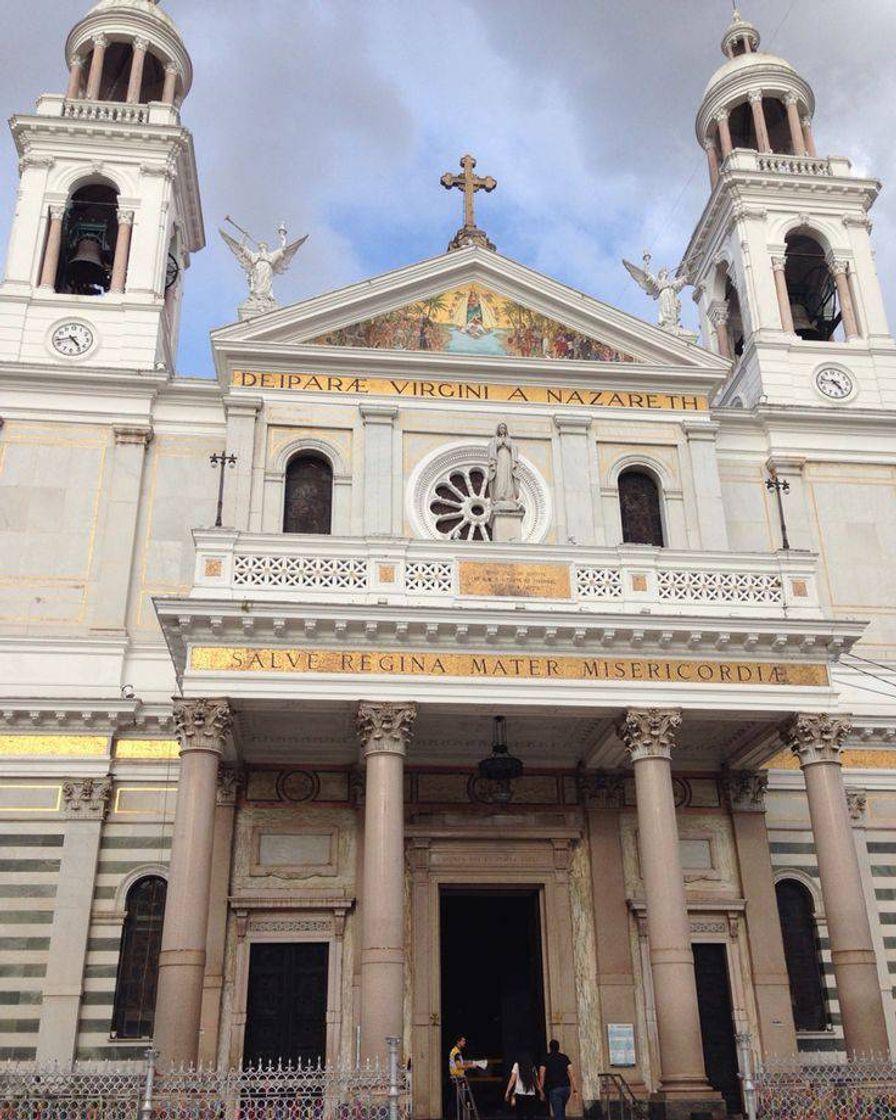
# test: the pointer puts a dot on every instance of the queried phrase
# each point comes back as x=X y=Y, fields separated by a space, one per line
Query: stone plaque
x=294 y=849
x=696 y=855
x=524 y=581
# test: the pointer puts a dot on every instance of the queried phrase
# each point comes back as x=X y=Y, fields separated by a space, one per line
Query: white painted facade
x=111 y=576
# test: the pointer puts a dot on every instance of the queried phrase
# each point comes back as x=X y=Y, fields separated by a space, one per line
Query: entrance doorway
x=286 y=1006
x=492 y=984
x=717 y=1021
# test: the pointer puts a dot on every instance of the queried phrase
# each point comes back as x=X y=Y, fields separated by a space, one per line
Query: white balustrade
x=629 y=579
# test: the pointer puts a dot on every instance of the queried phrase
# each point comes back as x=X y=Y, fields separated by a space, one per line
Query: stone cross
x=469 y=184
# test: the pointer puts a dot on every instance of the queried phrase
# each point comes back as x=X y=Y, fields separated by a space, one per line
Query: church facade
x=533 y=677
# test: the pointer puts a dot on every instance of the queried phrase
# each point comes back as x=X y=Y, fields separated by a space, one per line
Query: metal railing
x=859 y=1089
x=617 y=1101
x=102 y=1091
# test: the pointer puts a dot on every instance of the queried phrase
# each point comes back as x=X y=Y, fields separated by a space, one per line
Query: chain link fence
x=860 y=1089
x=281 y=1092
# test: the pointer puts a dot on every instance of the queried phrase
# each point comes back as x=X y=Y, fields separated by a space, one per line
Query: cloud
x=340 y=117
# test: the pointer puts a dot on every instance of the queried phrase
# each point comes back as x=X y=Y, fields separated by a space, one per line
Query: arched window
x=811 y=289
x=796 y=912
x=138 y=961
x=89 y=234
x=742 y=126
x=777 y=125
x=116 y=71
x=308 y=501
x=640 y=507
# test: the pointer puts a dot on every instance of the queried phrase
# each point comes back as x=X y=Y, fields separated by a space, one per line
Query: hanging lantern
x=500 y=766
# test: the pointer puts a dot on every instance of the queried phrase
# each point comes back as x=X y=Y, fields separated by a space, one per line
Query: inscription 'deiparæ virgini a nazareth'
x=589 y=397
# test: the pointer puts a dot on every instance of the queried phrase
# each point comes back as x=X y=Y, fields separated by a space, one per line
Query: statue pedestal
x=506 y=526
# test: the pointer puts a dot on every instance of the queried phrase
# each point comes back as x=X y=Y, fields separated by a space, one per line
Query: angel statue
x=261 y=265
x=663 y=287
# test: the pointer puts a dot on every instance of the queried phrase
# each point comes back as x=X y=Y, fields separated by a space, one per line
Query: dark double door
x=286 y=1005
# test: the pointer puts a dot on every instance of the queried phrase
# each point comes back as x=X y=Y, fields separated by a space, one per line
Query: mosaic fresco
x=473 y=320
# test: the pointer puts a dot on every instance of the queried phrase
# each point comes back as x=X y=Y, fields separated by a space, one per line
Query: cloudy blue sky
x=339 y=116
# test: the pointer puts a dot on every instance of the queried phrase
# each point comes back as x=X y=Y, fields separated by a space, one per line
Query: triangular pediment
x=463 y=304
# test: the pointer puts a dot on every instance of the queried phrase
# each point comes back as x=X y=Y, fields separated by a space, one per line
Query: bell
x=85 y=271
x=801 y=320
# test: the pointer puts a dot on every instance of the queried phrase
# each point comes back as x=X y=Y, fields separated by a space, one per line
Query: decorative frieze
x=649 y=732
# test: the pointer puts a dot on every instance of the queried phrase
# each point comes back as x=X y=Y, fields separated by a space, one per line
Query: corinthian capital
x=649 y=732
x=385 y=728
x=202 y=724
x=745 y=790
x=86 y=799
x=816 y=737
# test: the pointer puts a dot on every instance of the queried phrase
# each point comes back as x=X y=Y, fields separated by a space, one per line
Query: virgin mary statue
x=503 y=471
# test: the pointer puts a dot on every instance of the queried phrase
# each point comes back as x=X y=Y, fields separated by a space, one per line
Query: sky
x=339 y=117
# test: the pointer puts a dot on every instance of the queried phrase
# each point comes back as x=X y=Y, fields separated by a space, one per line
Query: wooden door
x=286 y=1006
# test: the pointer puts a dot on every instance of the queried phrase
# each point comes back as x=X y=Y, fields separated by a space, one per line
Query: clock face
x=834 y=383
x=72 y=339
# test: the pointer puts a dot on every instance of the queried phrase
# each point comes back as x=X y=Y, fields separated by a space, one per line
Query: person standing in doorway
x=557 y=1080
x=522 y=1086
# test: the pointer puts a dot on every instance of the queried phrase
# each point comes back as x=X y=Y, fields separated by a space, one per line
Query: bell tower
x=781 y=258
x=108 y=209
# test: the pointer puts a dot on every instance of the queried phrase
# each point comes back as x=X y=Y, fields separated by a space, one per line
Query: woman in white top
x=522 y=1086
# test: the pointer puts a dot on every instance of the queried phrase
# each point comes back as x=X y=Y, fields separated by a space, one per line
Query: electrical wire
x=869 y=661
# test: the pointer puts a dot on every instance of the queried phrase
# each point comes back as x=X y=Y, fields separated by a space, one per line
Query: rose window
x=460 y=505
x=447 y=496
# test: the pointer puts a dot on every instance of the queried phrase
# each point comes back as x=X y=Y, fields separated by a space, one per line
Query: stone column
x=707 y=484
x=379 y=476
x=84 y=804
x=817 y=740
x=111 y=575
x=603 y=795
x=213 y=981
x=762 y=141
x=574 y=433
x=138 y=59
x=724 y=135
x=648 y=735
x=718 y=316
x=778 y=266
x=713 y=161
x=384 y=731
x=796 y=130
x=839 y=270
x=745 y=795
x=202 y=726
x=95 y=77
x=809 y=137
x=763 y=144
x=53 y=249
x=122 y=250
x=170 y=88
x=75 y=77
